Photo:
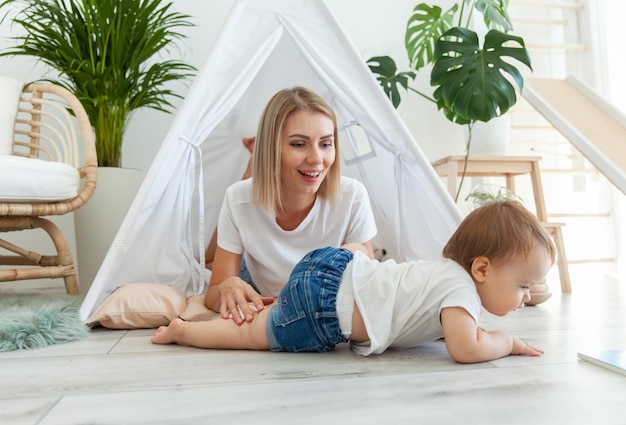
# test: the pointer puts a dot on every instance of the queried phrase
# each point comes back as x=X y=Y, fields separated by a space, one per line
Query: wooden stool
x=508 y=167
x=555 y=230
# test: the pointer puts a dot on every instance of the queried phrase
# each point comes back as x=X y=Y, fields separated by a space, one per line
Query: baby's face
x=507 y=285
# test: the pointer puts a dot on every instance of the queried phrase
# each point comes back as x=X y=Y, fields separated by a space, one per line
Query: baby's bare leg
x=218 y=333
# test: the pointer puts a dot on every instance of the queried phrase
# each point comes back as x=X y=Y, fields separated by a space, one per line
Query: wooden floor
x=119 y=377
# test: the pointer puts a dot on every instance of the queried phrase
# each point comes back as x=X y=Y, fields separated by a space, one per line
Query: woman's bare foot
x=167 y=334
x=248 y=142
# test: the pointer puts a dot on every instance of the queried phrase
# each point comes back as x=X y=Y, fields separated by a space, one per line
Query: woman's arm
x=369 y=246
x=227 y=293
x=468 y=343
x=209 y=254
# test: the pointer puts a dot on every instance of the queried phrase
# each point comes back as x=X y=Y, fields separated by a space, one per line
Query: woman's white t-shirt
x=401 y=303
x=271 y=252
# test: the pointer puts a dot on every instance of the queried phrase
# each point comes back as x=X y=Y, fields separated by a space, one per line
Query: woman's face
x=307 y=152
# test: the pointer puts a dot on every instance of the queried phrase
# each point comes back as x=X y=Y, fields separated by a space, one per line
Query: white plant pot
x=490 y=138
x=97 y=222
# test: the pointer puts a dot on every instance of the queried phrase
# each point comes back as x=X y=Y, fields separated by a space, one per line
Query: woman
x=296 y=201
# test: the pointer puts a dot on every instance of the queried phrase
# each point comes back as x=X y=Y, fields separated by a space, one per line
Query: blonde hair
x=497 y=230
x=266 y=158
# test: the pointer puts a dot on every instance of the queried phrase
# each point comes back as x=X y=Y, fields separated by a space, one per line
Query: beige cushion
x=140 y=306
x=150 y=305
x=33 y=180
x=196 y=310
x=10 y=91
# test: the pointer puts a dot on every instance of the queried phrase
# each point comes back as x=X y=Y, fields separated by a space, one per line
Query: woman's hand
x=227 y=293
x=235 y=296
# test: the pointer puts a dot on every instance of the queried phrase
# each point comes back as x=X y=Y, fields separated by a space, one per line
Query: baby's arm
x=468 y=343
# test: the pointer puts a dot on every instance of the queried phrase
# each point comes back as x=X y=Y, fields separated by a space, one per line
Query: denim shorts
x=305 y=316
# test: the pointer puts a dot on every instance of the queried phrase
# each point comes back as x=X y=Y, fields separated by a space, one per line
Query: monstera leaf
x=386 y=72
x=495 y=14
x=424 y=27
x=474 y=84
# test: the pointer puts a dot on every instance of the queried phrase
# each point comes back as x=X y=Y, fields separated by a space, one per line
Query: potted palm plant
x=109 y=54
x=105 y=52
x=472 y=80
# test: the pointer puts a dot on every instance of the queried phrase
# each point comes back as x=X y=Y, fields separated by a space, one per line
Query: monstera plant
x=473 y=81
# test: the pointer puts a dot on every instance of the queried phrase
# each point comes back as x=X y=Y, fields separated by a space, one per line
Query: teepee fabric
x=265 y=46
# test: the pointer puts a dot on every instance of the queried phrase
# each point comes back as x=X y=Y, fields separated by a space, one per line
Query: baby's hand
x=525 y=348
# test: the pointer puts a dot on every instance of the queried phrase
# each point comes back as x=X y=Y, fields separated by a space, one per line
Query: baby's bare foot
x=167 y=334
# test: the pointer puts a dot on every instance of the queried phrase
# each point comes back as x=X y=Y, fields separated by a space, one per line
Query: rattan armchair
x=51 y=125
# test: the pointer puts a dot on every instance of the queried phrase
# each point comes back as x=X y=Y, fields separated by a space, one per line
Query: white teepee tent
x=265 y=46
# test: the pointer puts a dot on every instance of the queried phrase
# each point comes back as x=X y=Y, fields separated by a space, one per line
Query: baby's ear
x=480 y=267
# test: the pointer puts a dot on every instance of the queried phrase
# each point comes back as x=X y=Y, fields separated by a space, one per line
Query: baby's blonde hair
x=266 y=156
x=497 y=230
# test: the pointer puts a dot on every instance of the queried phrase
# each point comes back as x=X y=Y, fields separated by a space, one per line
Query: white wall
x=613 y=54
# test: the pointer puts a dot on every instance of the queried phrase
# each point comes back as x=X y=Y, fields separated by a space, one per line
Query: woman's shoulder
x=240 y=191
x=349 y=184
x=241 y=185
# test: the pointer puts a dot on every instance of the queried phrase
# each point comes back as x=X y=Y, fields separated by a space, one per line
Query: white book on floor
x=614 y=360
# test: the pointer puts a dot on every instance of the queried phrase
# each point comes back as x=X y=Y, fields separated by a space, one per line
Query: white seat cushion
x=10 y=91
x=35 y=180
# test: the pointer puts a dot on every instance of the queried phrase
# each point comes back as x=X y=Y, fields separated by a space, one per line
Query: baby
x=337 y=295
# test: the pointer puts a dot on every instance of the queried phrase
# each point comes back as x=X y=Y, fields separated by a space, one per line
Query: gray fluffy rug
x=35 y=320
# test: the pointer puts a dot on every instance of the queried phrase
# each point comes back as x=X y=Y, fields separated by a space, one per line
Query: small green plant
x=482 y=194
x=106 y=53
